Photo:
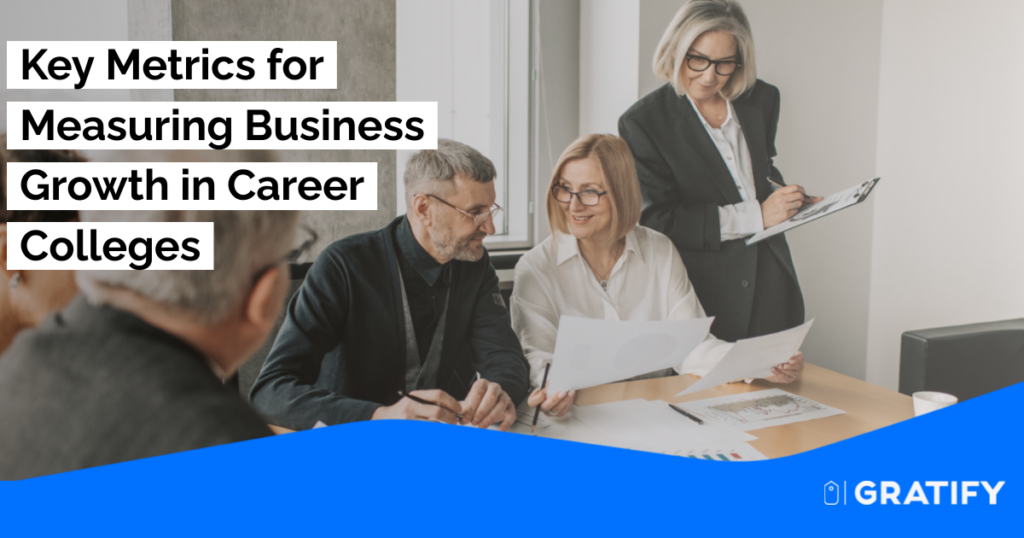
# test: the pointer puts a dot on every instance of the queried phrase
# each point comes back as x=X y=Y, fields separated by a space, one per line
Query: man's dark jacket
x=97 y=385
x=341 y=351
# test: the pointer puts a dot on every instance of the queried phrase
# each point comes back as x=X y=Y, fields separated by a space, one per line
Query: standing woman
x=703 y=146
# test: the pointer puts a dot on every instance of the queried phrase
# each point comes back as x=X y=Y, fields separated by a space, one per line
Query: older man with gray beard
x=134 y=366
x=412 y=309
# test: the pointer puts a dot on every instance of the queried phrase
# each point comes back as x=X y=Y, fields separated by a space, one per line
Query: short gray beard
x=446 y=245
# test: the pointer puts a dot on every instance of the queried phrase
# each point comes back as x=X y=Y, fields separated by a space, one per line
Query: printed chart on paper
x=739 y=452
x=761 y=409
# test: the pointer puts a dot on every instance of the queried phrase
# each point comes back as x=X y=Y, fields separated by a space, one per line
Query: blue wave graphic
x=397 y=477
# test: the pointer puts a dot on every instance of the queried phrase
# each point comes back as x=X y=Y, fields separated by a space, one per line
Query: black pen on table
x=536 y=414
x=427 y=402
x=685 y=414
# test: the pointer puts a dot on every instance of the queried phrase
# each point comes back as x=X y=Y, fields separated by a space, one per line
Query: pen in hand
x=685 y=414
x=779 y=186
x=536 y=414
x=427 y=402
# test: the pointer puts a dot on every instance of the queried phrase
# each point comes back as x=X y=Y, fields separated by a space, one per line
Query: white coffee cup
x=926 y=402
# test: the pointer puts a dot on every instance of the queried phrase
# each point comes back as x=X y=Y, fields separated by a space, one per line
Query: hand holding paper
x=591 y=352
x=753 y=357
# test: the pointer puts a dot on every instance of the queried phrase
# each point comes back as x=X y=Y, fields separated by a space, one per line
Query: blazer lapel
x=452 y=326
x=396 y=359
x=690 y=129
x=752 y=124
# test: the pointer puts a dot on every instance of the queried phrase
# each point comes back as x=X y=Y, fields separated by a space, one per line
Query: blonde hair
x=618 y=173
x=693 y=20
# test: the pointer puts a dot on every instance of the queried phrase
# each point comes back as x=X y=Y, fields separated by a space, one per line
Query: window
x=472 y=57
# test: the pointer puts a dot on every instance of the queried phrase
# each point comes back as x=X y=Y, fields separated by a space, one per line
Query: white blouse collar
x=728 y=116
x=569 y=247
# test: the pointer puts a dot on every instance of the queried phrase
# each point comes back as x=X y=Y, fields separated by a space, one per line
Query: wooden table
x=868 y=407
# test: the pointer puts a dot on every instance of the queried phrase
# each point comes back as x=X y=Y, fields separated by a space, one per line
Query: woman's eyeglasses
x=722 y=67
x=587 y=197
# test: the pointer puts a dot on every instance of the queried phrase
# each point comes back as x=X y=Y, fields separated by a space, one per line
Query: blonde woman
x=599 y=263
x=704 y=144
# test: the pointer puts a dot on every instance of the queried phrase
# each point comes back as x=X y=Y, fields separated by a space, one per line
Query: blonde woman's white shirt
x=742 y=219
x=648 y=283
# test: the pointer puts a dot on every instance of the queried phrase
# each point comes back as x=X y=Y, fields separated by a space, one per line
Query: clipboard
x=809 y=213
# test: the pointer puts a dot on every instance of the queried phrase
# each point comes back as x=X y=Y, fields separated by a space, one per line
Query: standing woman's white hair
x=696 y=18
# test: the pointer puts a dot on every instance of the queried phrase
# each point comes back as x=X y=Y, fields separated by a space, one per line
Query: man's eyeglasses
x=722 y=67
x=308 y=236
x=587 y=197
x=478 y=218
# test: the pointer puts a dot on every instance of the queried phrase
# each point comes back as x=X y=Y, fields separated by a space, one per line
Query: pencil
x=685 y=414
x=536 y=414
x=427 y=402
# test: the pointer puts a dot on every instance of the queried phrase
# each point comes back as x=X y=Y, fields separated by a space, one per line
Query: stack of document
x=653 y=426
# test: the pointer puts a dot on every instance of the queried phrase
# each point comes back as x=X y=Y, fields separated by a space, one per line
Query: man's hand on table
x=446 y=409
x=486 y=404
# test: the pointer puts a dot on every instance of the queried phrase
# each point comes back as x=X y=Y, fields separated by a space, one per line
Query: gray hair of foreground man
x=245 y=242
x=431 y=171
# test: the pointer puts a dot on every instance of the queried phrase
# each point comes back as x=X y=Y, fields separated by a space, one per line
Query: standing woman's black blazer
x=684 y=180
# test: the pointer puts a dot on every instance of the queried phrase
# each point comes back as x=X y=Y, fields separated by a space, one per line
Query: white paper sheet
x=753 y=357
x=760 y=409
x=590 y=352
x=655 y=427
x=524 y=423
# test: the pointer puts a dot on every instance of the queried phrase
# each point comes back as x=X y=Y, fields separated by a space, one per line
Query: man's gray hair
x=431 y=171
x=244 y=242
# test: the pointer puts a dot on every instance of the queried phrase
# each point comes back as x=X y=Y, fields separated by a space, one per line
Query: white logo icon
x=831 y=493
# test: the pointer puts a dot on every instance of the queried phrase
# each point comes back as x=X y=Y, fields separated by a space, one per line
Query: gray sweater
x=96 y=385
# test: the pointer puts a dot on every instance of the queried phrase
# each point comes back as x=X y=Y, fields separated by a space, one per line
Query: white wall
x=826 y=142
x=556 y=94
x=433 y=47
x=454 y=52
x=609 y=44
x=60 y=20
x=947 y=246
x=654 y=18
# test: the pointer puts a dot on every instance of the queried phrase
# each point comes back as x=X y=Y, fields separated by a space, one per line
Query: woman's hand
x=784 y=203
x=787 y=372
x=557 y=405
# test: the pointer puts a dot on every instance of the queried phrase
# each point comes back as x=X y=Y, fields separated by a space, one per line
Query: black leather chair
x=965 y=361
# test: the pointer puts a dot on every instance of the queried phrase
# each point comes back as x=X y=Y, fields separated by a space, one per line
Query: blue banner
x=954 y=471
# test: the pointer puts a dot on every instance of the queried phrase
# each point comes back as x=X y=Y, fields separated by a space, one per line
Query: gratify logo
x=831 y=493
x=926 y=493
x=889 y=492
